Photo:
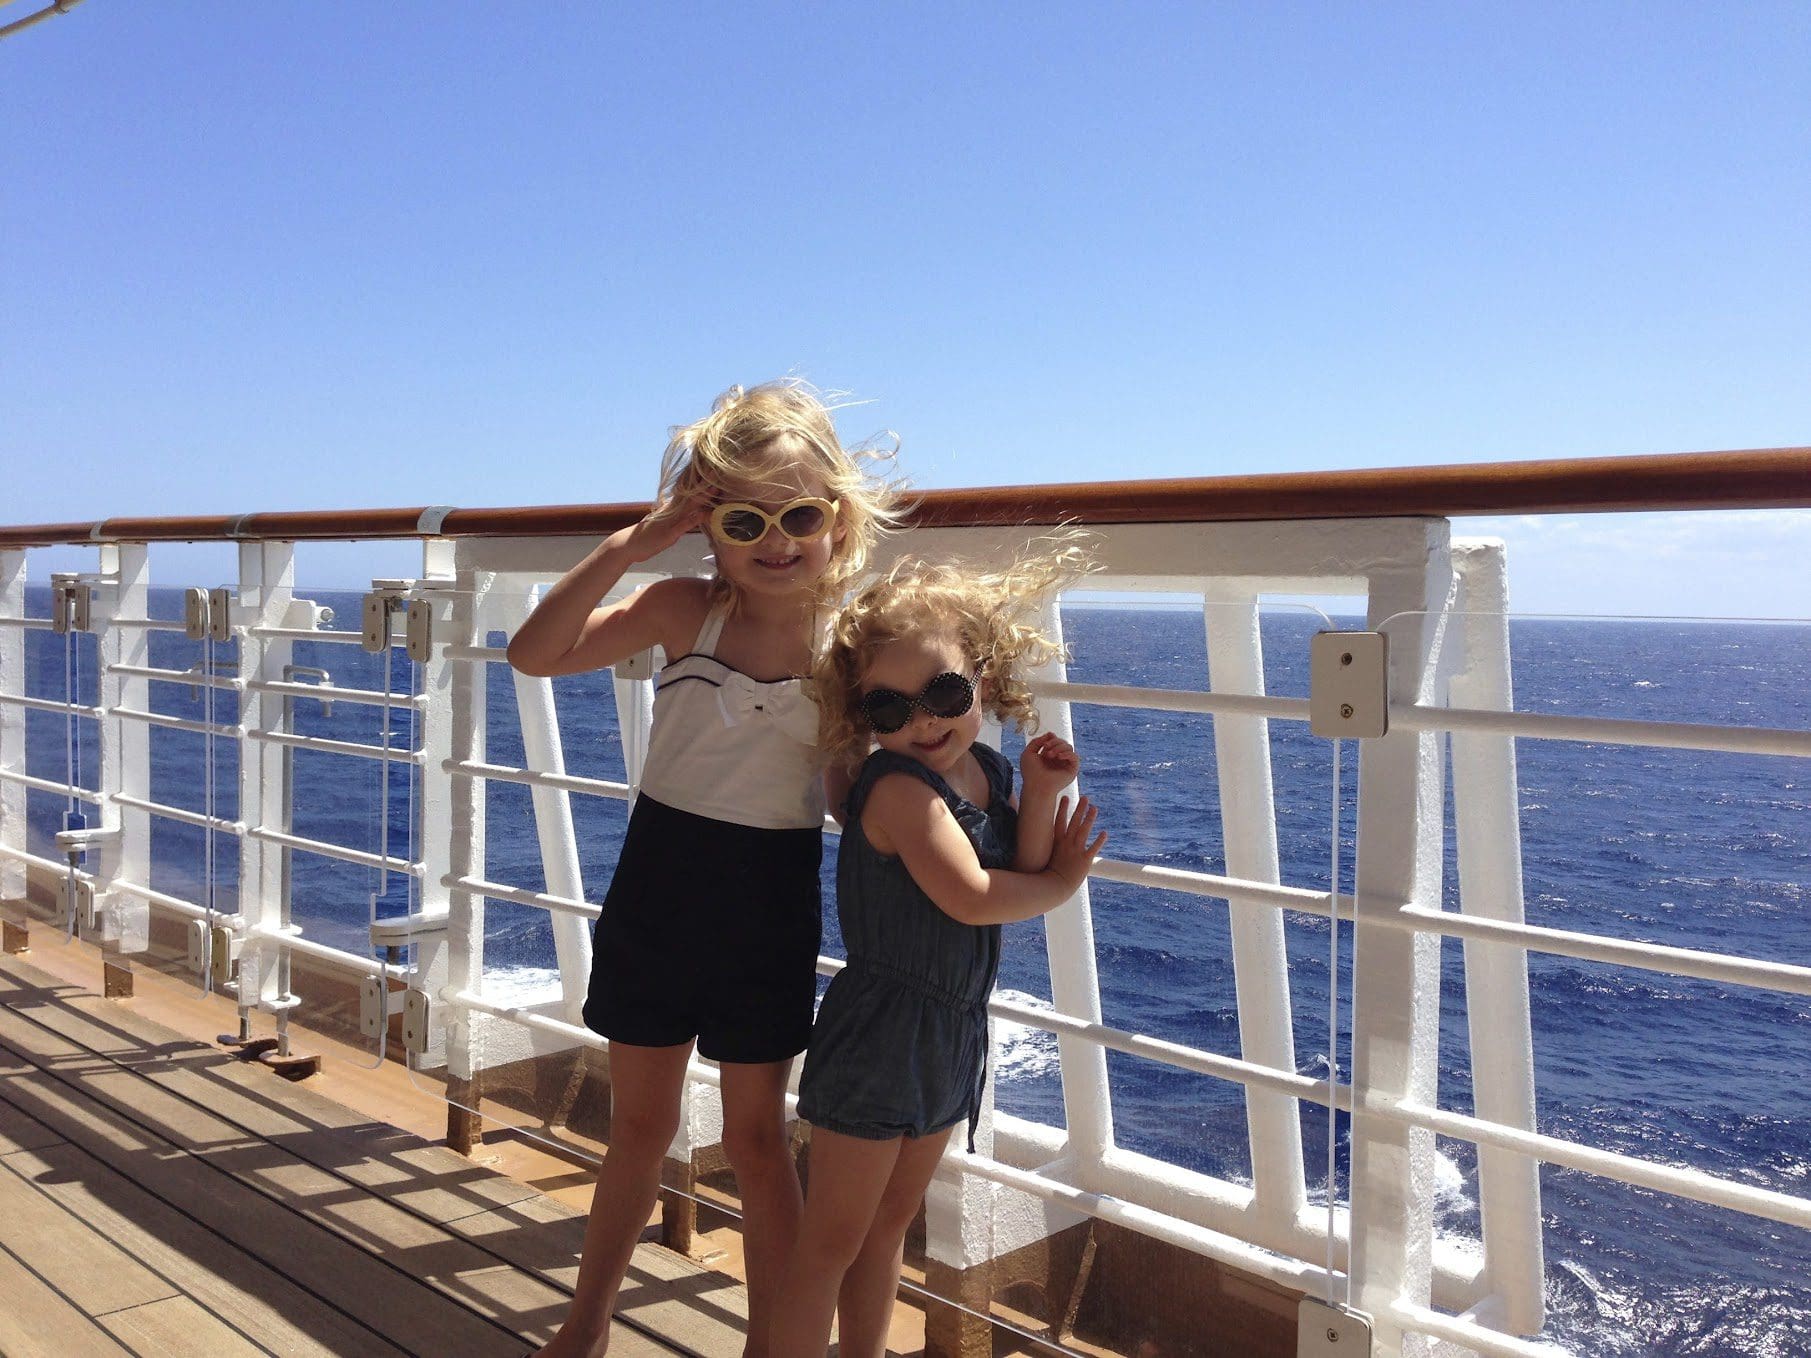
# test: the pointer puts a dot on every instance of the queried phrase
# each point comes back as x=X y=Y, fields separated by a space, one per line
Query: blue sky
x=269 y=256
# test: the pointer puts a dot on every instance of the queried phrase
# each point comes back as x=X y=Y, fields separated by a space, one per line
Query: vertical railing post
x=266 y=585
x=1487 y=825
x=1235 y=663
x=543 y=752
x=462 y=847
x=125 y=760
x=12 y=731
x=1396 y=983
x=445 y=702
x=1075 y=973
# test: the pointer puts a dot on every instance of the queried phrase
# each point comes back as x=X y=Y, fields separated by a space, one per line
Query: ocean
x=1692 y=849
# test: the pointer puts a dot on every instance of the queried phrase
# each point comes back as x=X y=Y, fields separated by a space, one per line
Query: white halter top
x=730 y=747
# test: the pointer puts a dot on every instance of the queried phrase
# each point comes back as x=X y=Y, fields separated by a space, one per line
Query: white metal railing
x=1269 y=1229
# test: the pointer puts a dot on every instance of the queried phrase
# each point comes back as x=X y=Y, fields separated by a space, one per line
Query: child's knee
x=643 y=1130
x=756 y=1148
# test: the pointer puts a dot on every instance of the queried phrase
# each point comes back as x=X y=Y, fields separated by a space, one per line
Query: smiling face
x=777 y=564
x=906 y=665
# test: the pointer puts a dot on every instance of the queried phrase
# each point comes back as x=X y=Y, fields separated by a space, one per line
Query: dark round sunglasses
x=887 y=710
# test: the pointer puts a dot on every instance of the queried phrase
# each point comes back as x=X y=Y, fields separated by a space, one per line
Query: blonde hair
x=994 y=615
x=758 y=432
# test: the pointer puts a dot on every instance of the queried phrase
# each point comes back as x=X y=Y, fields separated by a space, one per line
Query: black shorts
x=710 y=931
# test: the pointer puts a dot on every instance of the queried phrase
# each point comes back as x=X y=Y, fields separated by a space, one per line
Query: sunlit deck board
x=282 y=1216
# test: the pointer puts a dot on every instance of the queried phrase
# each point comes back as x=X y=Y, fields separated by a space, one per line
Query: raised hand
x=1048 y=764
x=664 y=525
x=1072 y=853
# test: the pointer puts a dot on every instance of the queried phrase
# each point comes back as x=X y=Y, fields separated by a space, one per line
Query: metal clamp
x=1348 y=685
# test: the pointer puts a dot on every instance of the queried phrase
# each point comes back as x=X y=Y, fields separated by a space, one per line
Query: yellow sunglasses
x=803 y=519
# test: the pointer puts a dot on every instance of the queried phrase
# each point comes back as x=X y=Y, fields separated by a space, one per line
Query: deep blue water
x=1702 y=850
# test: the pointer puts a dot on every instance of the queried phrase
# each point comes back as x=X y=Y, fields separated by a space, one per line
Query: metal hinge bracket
x=1349 y=685
x=1324 y=1330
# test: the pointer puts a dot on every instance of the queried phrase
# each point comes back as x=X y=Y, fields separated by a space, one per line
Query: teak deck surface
x=160 y=1197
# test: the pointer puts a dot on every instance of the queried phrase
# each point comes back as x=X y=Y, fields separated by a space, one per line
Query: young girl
x=936 y=856
x=710 y=930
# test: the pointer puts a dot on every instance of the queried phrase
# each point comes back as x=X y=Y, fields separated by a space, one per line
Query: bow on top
x=784 y=704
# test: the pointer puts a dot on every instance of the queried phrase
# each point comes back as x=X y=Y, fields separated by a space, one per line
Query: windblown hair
x=754 y=434
x=994 y=615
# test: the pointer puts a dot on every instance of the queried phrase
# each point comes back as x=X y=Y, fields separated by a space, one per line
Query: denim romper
x=900 y=1043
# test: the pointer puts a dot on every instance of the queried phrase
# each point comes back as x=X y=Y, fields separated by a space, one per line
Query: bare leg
x=848 y=1177
x=754 y=1137
x=645 y=1085
x=864 y=1306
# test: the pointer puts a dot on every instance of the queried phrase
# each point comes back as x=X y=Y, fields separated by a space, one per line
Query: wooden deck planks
x=38 y=1322
x=405 y=1237
x=358 y=1275
x=178 y=1327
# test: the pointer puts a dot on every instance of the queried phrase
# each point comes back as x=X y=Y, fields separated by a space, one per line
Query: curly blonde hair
x=994 y=615
x=758 y=432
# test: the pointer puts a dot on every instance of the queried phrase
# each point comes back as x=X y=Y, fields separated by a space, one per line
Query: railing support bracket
x=1326 y=1330
x=1348 y=685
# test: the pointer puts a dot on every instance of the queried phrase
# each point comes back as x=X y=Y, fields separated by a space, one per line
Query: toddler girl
x=710 y=930
x=936 y=855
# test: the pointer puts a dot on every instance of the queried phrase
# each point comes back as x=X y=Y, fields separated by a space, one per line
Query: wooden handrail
x=1764 y=478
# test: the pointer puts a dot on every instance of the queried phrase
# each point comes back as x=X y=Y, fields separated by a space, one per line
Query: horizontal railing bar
x=326 y=746
x=1224 y=1249
x=1607 y=730
x=179 y=676
x=1212 y=885
x=384 y=862
x=1695 y=1184
x=50 y=705
x=1761 y=478
x=175 y=904
x=179 y=723
x=27 y=624
x=495 y=655
x=32 y=860
x=231 y=827
x=1471 y=1336
x=370 y=697
x=1175 y=700
x=339 y=957
x=595 y=787
x=306 y=634
x=1167 y=1053
x=562 y=905
x=1705 y=966
x=152 y=624
x=46 y=785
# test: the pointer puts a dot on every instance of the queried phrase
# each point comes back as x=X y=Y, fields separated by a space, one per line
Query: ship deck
x=158 y=1195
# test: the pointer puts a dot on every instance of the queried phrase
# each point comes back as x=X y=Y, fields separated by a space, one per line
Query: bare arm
x=914 y=821
x=1048 y=765
x=568 y=632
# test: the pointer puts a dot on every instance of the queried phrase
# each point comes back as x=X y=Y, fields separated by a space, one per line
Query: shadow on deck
x=160 y=1197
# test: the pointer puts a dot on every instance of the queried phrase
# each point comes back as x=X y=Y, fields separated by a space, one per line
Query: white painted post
x=431 y=843
x=266 y=585
x=1074 y=971
x=463 y=843
x=542 y=751
x=1488 y=828
x=12 y=724
x=1235 y=663
x=125 y=921
x=1396 y=1002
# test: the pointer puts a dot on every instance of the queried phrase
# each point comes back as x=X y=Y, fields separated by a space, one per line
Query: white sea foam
x=521 y=986
x=1022 y=1053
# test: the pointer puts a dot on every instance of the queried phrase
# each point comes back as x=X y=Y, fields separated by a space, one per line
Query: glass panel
x=1701 y=849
